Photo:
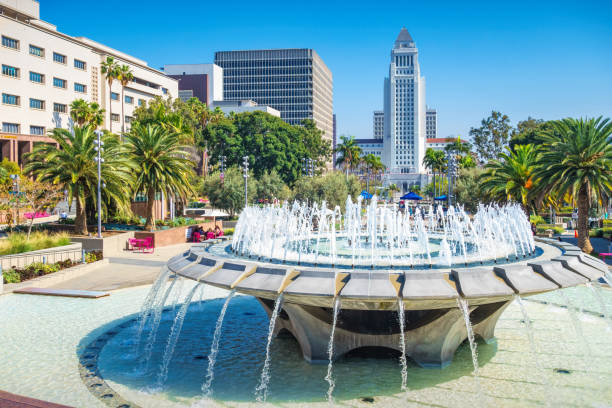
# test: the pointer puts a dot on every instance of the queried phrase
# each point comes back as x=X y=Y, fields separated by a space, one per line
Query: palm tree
x=511 y=176
x=161 y=165
x=434 y=160
x=392 y=188
x=73 y=167
x=349 y=153
x=86 y=113
x=125 y=76
x=577 y=159
x=110 y=69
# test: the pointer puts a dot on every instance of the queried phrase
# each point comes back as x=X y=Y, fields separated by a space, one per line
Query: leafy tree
x=270 y=186
x=492 y=136
x=161 y=165
x=373 y=166
x=228 y=194
x=392 y=189
x=125 y=76
x=467 y=189
x=73 y=167
x=331 y=187
x=348 y=153
x=511 y=177
x=110 y=69
x=577 y=159
x=528 y=132
x=7 y=168
x=434 y=160
x=86 y=113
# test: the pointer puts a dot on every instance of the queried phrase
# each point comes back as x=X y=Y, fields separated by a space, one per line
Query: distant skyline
x=542 y=59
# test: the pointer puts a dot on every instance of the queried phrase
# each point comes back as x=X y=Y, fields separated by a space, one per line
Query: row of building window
x=39 y=78
x=15 y=128
x=37 y=51
x=15 y=100
x=128 y=99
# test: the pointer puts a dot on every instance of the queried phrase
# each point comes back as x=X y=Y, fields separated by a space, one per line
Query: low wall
x=49 y=255
x=173 y=236
x=108 y=245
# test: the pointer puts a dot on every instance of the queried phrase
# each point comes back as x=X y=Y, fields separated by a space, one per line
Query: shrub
x=93 y=256
x=536 y=219
x=17 y=242
x=228 y=231
x=543 y=227
x=11 y=276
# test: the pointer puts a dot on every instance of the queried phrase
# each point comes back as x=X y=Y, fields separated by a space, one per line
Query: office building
x=243 y=106
x=202 y=81
x=44 y=70
x=334 y=142
x=431 y=123
x=296 y=82
x=378 y=125
x=370 y=146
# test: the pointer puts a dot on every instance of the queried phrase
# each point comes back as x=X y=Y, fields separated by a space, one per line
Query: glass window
x=10 y=127
x=141 y=102
x=129 y=99
x=10 y=71
x=128 y=119
x=37 y=130
x=10 y=42
x=114 y=96
x=37 y=51
x=164 y=90
x=79 y=64
x=115 y=117
x=36 y=77
x=59 y=58
x=10 y=99
x=80 y=88
x=60 y=83
x=59 y=107
x=37 y=104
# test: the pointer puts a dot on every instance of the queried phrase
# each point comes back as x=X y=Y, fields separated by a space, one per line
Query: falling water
x=596 y=289
x=575 y=321
x=214 y=349
x=463 y=305
x=174 y=335
x=330 y=353
x=261 y=392
x=147 y=306
x=402 y=323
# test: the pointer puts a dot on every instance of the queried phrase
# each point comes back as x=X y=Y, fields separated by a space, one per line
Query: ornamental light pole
x=99 y=149
x=451 y=170
x=222 y=174
x=245 y=165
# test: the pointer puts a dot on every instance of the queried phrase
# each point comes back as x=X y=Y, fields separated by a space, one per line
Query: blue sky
x=537 y=58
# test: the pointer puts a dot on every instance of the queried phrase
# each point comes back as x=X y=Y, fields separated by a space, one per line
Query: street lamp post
x=15 y=178
x=451 y=170
x=245 y=164
x=99 y=149
x=222 y=174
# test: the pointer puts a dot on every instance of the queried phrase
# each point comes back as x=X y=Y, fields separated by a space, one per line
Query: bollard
x=83 y=256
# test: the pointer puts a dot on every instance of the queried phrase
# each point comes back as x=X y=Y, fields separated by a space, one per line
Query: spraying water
x=174 y=335
x=402 y=322
x=330 y=353
x=214 y=349
x=261 y=392
x=147 y=305
x=575 y=321
x=463 y=305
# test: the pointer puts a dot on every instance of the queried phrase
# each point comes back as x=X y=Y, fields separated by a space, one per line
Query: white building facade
x=404 y=115
x=431 y=124
x=370 y=146
x=378 y=125
x=248 y=105
x=44 y=70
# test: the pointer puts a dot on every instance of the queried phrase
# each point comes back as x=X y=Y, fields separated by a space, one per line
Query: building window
x=59 y=108
x=128 y=119
x=37 y=51
x=78 y=64
x=37 y=104
x=164 y=90
x=59 y=58
x=129 y=99
x=114 y=96
x=10 y=42
x=9 y=99
x=37 y=130
x=60 y=83
x=10 y=127
x=36 y=77
x=115 y=117
x=141 y=102
x=12 y=72
x=80 y=88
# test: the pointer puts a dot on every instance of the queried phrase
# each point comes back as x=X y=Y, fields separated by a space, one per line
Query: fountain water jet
x=330 y=353
x=463 y=305
x=261 y=392
x=402 y=322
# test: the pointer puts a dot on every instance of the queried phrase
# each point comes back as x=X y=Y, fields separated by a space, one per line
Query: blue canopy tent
x=441 y=198
x=411 y=196
x=366 y=195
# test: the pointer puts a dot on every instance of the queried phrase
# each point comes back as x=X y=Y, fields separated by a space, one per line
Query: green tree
x=577 y=159
x=467 y=190
x=110 y=70
x=528 y=132
x=392 y=189
x=331 y=187
x=161 y=165
x=373 y=166
x=125 y=76
x=348 y=153
x=511 y=177
x=73 y=167
x=228 y=194
x=270 y=186
x=435 y=160
x=86 y=113
x=492 y=136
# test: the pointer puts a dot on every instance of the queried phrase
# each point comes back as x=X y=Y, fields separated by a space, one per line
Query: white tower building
x=404 y=114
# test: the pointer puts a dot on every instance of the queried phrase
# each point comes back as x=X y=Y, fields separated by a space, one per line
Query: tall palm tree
x=110 y=69
x=349 y=153
x=161 y=163
x=73 y=167
x=511 y=176
x=125 y=76
x=435 y=160
x=86 y=113
x=577 y=159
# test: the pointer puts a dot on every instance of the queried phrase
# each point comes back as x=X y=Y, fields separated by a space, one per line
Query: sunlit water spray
x=261 y=392
x=330 y=353
x=402 y=322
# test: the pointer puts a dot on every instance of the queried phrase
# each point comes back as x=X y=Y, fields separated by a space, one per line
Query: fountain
x=372 y=257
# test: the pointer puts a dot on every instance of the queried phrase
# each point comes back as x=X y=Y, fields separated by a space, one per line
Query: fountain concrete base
x=432 y=336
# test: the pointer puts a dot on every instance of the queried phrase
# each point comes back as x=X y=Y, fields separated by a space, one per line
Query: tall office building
x=404 y=113
x=202 y=81
x=378 y=124
x=431 y=124
x=334 y=142
x=295 y=82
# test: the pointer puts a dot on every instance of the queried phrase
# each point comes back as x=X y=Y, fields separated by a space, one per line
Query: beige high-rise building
x=44 y=70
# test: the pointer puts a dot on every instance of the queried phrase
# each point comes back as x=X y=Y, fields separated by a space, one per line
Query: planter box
x=174 y=236
x=50 y=255
x=108 y=245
